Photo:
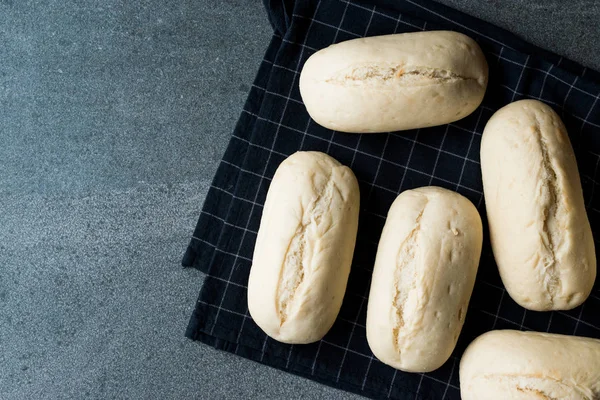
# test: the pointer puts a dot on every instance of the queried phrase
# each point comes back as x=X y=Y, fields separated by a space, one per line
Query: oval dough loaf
x=304 y=248
x=394 y=82
x=423 y=278
x=539 y=230
x=507 y=364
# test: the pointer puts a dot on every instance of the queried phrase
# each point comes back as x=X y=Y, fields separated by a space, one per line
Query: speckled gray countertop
x=113 y=116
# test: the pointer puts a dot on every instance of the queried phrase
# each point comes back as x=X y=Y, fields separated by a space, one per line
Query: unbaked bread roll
x=539 y=230
x=507 y=364
x=423 y=278
x=394 y=82
x=304 y=248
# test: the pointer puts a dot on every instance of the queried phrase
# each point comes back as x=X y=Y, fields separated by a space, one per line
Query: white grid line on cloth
x=228 y=223
x=392 y=383
x=231 y=282
x=462 y=171
x=585 y=121
x=437 y=157
x=304 y=136
x=523 y=318
x=449 y=378
x=356 y=151
x=549 y=322
x=347 y=348
x=499 y=317
x=233 y=196
x=219 y=250
x=419 y=387
x=585 y=69
x=590 y=178
x=249 y=172
x=276 y=94
x=271 y=151
x=314 y=364
x=499 y=55
x=520 y=77
x=289 y=356
x=498 y=309
x=387 y=139
x=544 y=82
x=571 y=86
x=408 y=159
x=414 y=141
x=578 y=318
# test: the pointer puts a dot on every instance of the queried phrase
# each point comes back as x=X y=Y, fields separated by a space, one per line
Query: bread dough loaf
x=539 y=230
x=304 y=248
x=423 y=278
x=394 y=82
x=507 y=364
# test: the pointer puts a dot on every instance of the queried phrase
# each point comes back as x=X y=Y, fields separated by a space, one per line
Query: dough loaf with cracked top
x=394 y=82
x=507 y=364
x=304 y=248
x=423 y=278
x=539 y=230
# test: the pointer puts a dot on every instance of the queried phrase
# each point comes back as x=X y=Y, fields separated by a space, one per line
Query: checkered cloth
x=275 y=124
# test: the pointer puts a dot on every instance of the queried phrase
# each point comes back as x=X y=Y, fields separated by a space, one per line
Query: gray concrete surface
x=113 y=116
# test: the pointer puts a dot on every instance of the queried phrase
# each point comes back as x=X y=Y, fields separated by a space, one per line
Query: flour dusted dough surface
x=304 y=248
x=423 y=278
x=504 y=365
x=394 y=82
x=540 y=234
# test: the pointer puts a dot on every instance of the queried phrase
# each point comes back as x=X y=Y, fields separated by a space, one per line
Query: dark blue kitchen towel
x=274 y=124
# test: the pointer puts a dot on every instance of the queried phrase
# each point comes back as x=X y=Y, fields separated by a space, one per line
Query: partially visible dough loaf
x=423 y=278
x=304 y=248
x=540 y=234
x=394 y=82
x=507 y=364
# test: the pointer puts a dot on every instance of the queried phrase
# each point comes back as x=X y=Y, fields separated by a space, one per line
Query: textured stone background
x=113 y=116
